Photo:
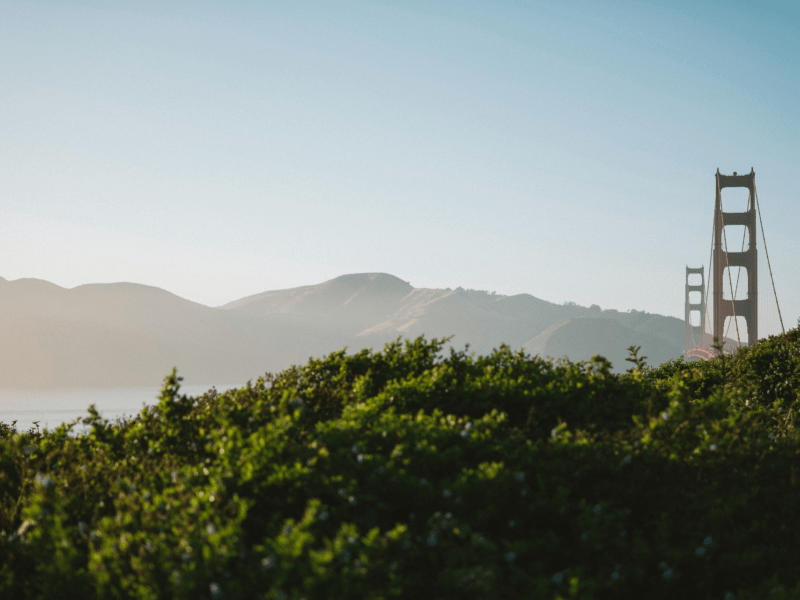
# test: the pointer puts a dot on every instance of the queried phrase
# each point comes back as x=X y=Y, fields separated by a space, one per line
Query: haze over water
x=51 y=408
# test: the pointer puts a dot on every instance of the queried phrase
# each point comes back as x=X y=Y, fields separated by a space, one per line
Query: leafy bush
x=405 y=473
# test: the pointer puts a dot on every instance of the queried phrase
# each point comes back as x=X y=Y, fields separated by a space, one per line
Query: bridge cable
x=768 y=263
x=738 y=274
x=730 y=279
x=708 y=285
x=699 y=344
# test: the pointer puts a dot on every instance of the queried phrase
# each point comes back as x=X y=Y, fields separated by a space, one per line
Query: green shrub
x=406 y=473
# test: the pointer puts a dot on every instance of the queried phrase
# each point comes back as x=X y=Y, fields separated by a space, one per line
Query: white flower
x=510 y=556
x=216 y=591
x=558 y=578
x=44 y=481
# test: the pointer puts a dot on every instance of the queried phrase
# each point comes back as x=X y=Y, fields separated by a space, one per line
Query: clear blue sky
x=566 y=150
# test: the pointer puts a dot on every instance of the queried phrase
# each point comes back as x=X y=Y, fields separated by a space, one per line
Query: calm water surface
x=51 y=408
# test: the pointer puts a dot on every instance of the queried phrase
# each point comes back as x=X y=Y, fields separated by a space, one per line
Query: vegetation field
x=411 y=473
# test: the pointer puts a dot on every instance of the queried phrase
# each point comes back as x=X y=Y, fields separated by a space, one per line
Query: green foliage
x=409 y=474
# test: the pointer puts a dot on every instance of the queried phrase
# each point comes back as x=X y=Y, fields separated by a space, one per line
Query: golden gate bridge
x=727 y=312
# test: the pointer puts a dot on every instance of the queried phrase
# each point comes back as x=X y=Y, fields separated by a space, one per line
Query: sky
x=565 y=150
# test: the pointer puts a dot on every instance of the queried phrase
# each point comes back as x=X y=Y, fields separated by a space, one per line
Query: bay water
x=51 y=408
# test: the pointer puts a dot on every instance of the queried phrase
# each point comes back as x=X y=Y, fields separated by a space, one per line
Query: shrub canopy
x=410 y=474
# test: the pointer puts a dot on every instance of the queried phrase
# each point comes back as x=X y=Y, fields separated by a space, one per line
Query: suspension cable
x=708 y=284
x=768 y=263
x=738 y=274
x=730 y=280
x=728 y=265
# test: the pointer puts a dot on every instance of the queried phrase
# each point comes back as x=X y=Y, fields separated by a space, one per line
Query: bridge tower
x=748 y=307
x=693 y=336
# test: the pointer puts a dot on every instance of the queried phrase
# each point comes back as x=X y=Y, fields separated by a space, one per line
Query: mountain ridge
x=121 y=334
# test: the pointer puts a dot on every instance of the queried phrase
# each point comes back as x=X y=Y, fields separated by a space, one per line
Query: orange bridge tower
x=724 y=260
x=693 y=336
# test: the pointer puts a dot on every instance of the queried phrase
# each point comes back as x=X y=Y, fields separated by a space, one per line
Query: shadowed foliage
x=414 y=473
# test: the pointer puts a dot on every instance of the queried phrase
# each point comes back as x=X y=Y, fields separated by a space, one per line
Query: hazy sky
x=566 y=150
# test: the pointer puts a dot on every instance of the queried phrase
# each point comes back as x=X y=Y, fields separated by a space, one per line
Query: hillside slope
x=125 y=334
x=122 y=334
x=579 y=338
x=371 y=309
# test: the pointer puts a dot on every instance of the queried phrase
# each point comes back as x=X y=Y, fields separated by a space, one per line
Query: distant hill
x=580 y=338
x=120 y=334
x=124 y=334
x=369 y=309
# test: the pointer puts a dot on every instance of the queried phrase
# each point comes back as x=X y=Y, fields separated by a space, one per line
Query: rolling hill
x=124 y=334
